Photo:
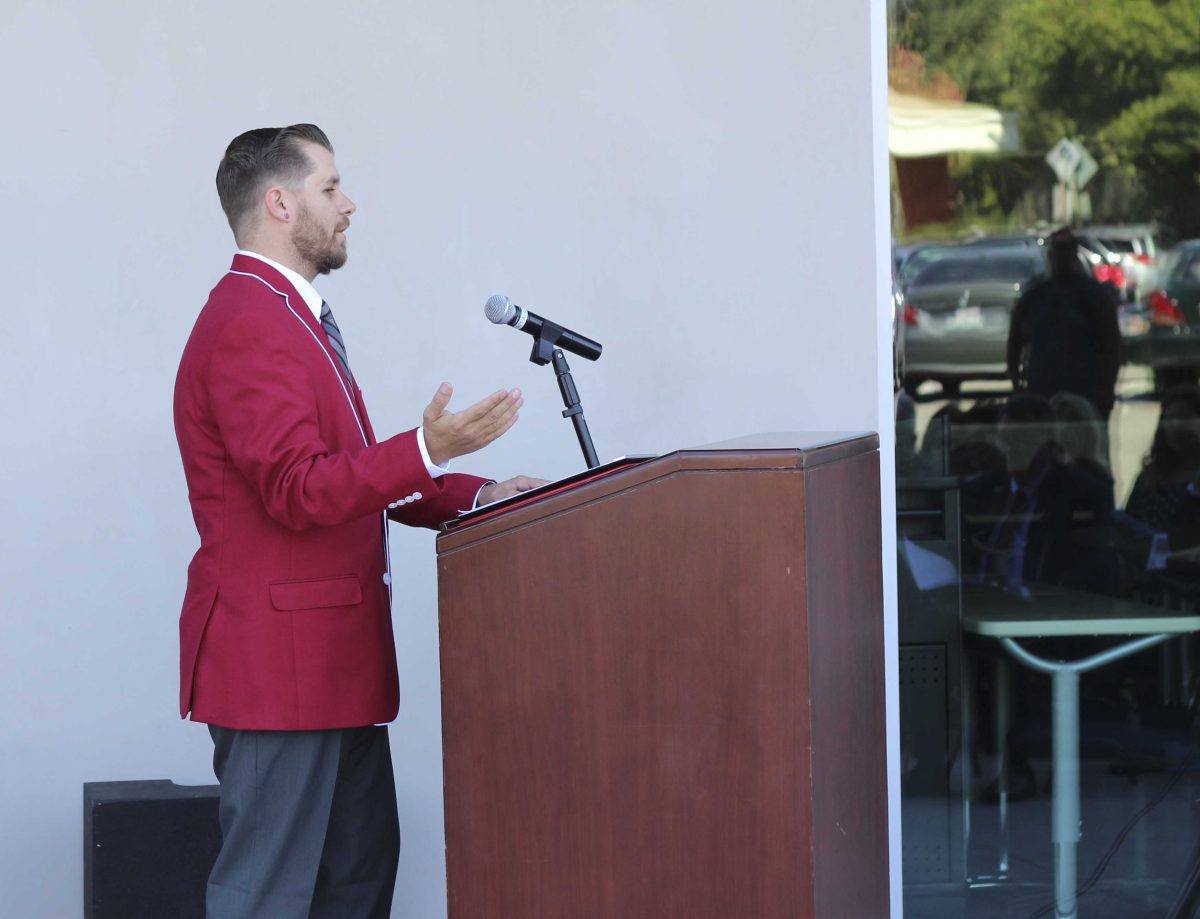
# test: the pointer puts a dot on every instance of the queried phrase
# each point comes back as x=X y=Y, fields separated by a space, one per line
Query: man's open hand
x=451 y=434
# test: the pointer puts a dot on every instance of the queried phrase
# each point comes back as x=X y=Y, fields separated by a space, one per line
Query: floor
x=1139 y=844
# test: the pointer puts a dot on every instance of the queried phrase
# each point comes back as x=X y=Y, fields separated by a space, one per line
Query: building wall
x=673 y=179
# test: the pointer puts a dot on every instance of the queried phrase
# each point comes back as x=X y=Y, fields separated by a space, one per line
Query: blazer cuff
x=475 y=504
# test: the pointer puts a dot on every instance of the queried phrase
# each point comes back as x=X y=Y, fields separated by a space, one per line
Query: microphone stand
x=546 y=351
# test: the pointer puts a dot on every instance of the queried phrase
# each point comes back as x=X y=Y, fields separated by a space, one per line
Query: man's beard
x=312 y=245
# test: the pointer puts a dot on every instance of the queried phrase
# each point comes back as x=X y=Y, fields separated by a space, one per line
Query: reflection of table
x=1057 y=611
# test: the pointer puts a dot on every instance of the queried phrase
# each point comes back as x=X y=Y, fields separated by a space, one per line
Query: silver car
x=956 y=312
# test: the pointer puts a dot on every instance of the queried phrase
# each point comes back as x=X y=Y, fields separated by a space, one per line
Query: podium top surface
x=807 y=443
x=780 y=451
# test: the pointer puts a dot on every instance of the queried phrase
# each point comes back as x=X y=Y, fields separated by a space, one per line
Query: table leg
x=1167 y=674
x=1065 y=830
x=1003 y=691
x=968 y=757
x=1186 y=643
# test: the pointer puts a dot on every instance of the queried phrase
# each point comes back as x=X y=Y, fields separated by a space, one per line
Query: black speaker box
x=148 y=848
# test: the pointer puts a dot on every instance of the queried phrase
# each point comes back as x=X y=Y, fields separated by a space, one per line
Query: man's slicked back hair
x=259 y=158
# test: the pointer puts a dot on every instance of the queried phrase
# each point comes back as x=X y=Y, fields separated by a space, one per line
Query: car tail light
x=910 y=314
x=1144 y=259
x=1111 y=274
x=1164 y=310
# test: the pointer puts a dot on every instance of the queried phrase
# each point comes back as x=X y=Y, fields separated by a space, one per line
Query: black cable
x=1187 y=903
x=1121 y=836
x=1193 y=878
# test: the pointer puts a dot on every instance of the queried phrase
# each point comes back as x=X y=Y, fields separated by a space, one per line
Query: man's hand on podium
x=509 y=487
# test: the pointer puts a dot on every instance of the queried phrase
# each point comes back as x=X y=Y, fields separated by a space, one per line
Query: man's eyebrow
x=336 y=180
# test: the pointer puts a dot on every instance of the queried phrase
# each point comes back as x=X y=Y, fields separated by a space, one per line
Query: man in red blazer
x=285 y=634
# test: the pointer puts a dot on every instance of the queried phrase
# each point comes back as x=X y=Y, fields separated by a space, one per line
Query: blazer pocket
x=316 y=593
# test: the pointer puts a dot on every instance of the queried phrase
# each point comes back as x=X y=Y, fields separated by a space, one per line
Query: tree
x=1073 y=68
x=955 y=37
x=1122 y=76
x=1159 y=139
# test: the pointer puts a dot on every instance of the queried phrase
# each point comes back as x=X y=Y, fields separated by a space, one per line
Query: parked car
x=921 y=257
x=902 y=252
x=957 y=309
x=896 y=308
x=1140 y=247
x=1028 y=238
x=1105 y=265
x=1100 y=261
x=1168 y=340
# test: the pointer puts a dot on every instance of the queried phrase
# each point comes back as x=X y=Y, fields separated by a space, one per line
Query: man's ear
x=278 y=203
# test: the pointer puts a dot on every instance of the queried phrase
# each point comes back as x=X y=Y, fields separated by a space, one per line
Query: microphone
x=502 y=311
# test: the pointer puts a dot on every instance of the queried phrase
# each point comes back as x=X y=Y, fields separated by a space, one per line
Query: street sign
x=1087 y=168
x=1075 y=167
x=1064 y=158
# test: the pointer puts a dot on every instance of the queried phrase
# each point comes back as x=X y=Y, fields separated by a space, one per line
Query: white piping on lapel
x=332 y=366
x=387 y=544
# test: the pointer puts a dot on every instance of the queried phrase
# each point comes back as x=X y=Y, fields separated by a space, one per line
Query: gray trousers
x=309 y=826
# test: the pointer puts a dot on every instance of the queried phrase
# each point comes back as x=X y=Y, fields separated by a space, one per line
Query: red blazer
x=286 y=622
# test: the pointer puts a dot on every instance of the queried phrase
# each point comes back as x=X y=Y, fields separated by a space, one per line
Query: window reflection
x=1029 y=524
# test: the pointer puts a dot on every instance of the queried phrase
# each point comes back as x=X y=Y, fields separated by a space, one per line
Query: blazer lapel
x=245 y=264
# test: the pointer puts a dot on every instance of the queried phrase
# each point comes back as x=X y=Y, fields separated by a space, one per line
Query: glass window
x=914 y=264
x=1191 y=270
x=1118 y=245
x=1049 y=565
x=1048 y=482
x=956 y=270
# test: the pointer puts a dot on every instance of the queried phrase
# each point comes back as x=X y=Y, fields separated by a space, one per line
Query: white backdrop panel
x=665 y=178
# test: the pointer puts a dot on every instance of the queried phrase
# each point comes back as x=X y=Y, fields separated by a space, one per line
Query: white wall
x=698 y=185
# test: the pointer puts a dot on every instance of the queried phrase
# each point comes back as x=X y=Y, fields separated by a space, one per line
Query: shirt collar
x=302 y=285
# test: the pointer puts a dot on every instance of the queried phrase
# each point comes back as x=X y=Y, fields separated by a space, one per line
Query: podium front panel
x=628 y=708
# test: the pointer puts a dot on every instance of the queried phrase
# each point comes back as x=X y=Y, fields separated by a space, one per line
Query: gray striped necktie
x=334 y=336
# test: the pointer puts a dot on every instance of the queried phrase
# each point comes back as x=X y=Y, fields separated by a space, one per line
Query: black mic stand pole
x=545 y=351
x=573 y=409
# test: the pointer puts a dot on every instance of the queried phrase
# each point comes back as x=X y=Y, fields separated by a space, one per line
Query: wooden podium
x=662 y=692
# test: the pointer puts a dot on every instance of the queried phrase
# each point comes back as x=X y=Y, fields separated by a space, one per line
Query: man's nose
x=348 y=206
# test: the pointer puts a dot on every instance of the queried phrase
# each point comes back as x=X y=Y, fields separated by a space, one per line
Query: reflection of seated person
x=1023 y=517
x=906 y=436
x=929 y=459
x=1082 y=432
x=1047 y=518
x=1166 y=494
x=972 y=440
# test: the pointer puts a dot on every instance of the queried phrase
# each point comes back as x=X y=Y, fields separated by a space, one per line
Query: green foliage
x=1160 y=131
x=957 y=37
x=1158 y=138
x=1075 y=67
x=1122 y=76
